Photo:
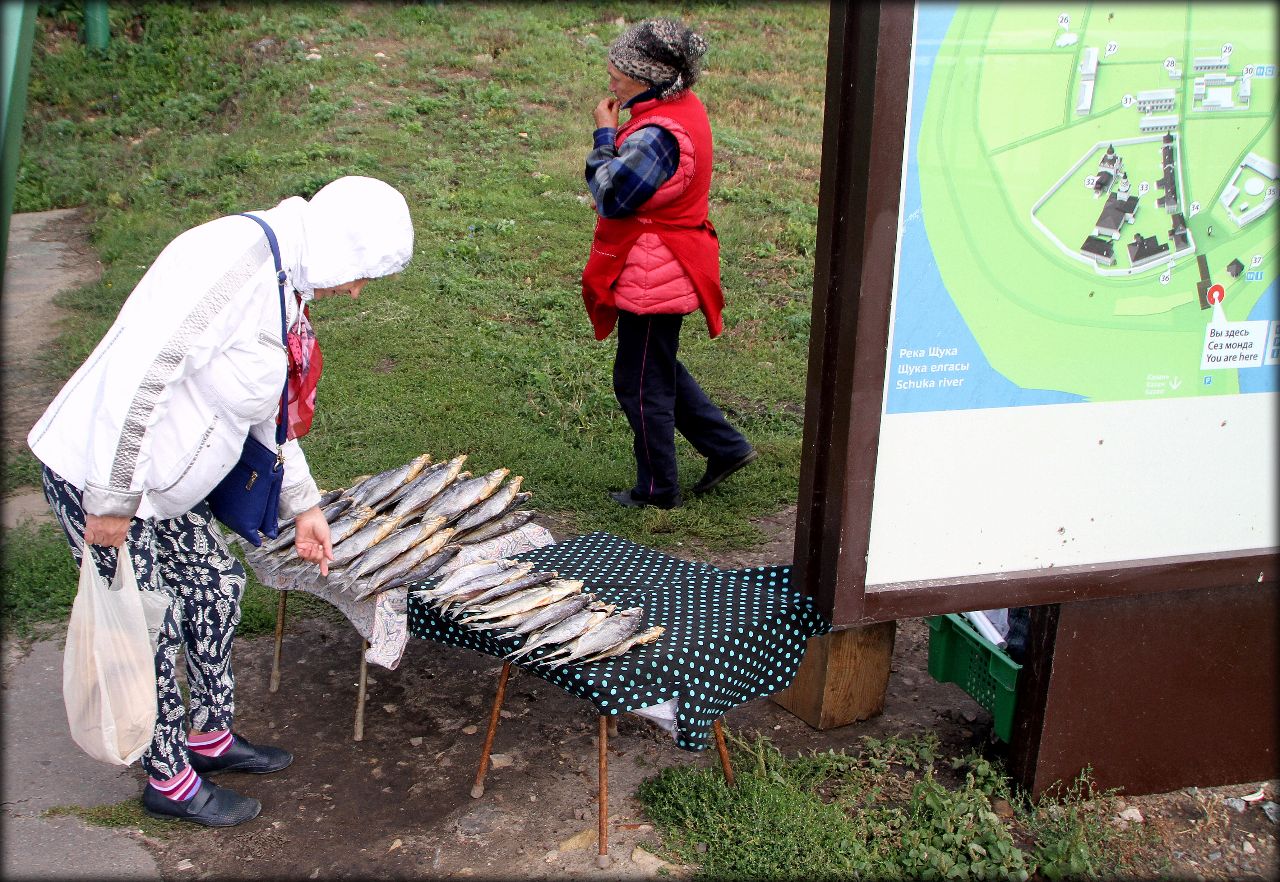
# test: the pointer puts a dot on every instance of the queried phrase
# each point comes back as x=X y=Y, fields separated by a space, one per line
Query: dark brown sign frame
x=868 y=77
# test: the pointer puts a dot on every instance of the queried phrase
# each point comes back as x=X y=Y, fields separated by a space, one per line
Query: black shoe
x=212 y=806
x=717 y=472
x=628 y=499
x=242 y=756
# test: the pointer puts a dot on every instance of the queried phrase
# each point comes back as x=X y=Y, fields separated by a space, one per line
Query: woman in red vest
x=655 y=257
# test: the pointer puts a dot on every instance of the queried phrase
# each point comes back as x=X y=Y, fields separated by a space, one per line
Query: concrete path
x=48 y=253
x=42 y=766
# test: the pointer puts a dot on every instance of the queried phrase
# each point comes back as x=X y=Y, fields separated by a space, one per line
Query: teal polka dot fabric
x=731 y=635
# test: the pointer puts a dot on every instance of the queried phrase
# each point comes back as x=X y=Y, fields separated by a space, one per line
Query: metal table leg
x=724 y=752
x=602 y=859
x=360 y=693
x=477 y=789
x=274 y=684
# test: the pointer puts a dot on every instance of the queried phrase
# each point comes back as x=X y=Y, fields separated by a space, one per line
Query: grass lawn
x=480 y=113
x=892 y=809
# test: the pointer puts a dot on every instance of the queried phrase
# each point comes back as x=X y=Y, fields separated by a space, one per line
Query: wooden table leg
x=477 y=789
x=360 y=693
x=724 y=752
x=602 y=859
x=274 y=684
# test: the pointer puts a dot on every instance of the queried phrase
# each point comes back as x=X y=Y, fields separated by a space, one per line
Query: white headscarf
x=353 y=228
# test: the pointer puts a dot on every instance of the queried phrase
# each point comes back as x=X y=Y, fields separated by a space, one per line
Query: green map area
x=1026 y=105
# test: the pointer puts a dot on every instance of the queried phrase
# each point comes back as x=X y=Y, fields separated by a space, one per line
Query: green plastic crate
x=959 y=654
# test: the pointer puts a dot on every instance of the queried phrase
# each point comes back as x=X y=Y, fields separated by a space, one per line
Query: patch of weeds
x=954 y=834
x=126 y=815
x=38 y=577
x=1073 y=834
x=890 y=811
x=21 y=470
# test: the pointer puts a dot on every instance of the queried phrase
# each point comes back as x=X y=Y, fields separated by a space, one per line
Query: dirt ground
x=397 y=804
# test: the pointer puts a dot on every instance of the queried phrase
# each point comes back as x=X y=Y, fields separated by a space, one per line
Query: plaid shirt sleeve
x=623 y=180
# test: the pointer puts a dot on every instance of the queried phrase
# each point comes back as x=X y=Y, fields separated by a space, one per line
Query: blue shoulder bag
x=248 y=498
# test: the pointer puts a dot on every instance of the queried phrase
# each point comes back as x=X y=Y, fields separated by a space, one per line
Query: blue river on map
x=924 y=314
x=1264 y=379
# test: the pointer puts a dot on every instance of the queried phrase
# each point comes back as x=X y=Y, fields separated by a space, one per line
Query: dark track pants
x=187 y=558
x=659 y=396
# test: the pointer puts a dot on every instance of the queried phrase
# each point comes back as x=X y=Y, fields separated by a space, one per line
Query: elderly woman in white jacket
x=158 y=414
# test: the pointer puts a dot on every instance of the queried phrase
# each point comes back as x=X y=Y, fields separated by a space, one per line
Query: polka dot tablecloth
x=731 y=635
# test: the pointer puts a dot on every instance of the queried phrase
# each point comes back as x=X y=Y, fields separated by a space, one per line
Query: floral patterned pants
x=187 y=558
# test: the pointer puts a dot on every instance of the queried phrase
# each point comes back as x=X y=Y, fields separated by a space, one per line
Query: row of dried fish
x=549 y=612
x=401 y=525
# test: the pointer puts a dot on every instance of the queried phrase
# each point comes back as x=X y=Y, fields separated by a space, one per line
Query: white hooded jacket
x=158 y=413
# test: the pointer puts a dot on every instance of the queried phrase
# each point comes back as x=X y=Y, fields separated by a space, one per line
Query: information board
x=1084 y=345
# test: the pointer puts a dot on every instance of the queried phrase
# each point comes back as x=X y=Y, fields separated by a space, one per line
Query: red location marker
x=1216 y=294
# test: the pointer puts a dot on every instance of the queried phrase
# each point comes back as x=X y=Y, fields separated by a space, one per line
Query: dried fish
x=454 y=501
x=647 y=636
x=335 y=509
x=374 y=531
x=283 y=538
x=426 y=568
x=362 y=487
x=469 y=597
x=501 y=597
x=604 y=635
x=555 y=613
x=540 y=617
x=508 y=522
x=349 y=549
x=385 y=483
x=330 y=497
x=561 y=632
x=332 y=510
x=491 y=507
x=429 y=485
x=377 y=577
x=355 y=519
x=523 y=600
x=395 y=544
x=465 y=573
x=484 y=582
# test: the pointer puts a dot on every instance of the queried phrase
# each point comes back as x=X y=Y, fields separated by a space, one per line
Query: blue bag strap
x=282 y=423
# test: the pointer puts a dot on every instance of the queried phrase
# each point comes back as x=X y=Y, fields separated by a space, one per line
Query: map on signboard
x=1089 y=206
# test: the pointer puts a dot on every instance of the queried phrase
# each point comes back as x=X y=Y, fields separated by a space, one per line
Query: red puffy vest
x=680 y=223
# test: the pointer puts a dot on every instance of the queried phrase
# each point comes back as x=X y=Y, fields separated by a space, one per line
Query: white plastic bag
x=108 y=667
x=155 y=606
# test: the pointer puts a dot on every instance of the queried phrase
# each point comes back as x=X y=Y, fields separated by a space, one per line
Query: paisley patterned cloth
x=187 y=559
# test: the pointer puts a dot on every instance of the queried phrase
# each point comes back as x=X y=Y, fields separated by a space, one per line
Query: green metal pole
x=15 y=65
x=97 y=30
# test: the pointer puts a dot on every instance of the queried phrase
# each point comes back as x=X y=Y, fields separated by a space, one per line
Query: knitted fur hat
x=660 y=52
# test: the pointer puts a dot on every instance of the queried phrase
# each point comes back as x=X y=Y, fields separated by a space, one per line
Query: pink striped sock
x=180 y=787
x=214 y=743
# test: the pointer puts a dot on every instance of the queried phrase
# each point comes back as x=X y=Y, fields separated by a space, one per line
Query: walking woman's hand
x=607 y=113
x=311 y=539
x=109 y=531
